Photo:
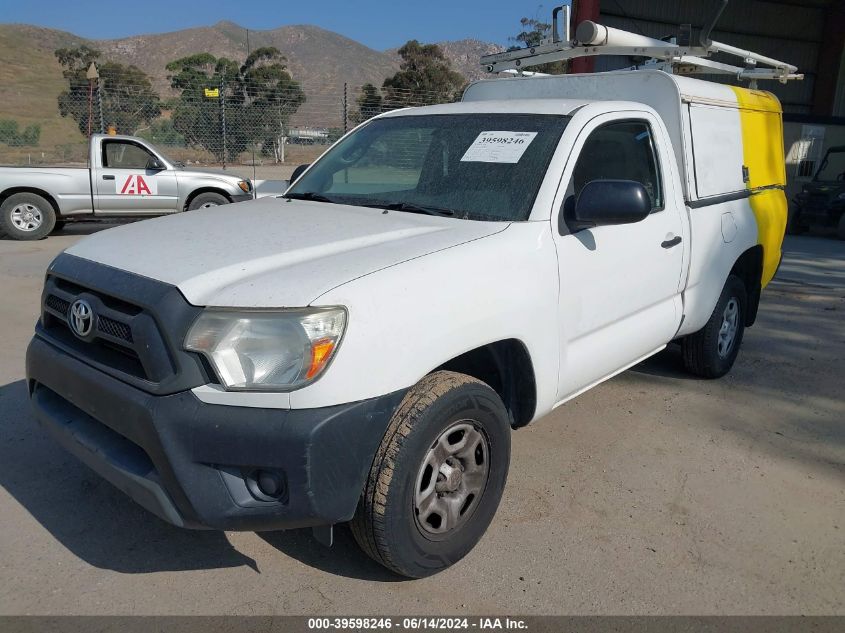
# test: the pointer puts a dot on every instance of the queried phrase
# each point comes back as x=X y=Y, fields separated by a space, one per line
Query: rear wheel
x=437 y=478
x=26 y=216
x=711 y=352
x=207 y=200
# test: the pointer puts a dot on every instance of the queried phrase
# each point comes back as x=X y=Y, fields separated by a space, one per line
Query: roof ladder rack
x=675 y=56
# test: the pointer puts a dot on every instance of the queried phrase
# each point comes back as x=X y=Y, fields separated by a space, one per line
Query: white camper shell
x=704 y=119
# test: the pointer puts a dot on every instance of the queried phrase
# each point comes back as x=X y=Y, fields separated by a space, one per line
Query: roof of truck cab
x=494 y=106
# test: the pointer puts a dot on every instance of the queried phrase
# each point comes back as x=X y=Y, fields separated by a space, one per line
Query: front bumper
x=242 y=197
x=191 y=463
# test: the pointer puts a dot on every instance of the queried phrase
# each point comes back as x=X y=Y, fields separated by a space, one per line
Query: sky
x=377 y=24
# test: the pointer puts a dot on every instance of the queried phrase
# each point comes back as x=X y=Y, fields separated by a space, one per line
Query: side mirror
x=154 y=164
x=298 y=172
x=607 y=202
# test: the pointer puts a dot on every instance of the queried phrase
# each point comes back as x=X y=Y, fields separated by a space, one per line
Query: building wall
x=790 y=31
x=806 y=33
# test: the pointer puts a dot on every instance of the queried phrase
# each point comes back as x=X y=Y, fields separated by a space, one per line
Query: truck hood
x=273 y=252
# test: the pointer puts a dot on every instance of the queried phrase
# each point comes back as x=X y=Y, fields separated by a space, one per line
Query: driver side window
x=620 y=151
x=125 y=155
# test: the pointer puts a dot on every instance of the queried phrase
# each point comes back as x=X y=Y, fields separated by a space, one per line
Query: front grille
x=138 y=325
x=112 y=343
x=114 y=328
x=57 y=304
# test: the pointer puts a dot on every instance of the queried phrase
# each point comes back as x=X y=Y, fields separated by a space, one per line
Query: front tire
x=712 y=351
x=26 y=216
x=437 y=477
x=207 y=200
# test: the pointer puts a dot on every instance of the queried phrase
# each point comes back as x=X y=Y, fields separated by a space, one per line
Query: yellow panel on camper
x=762 y=148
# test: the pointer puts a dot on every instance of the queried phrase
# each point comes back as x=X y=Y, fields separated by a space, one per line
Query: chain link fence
x=215 y=125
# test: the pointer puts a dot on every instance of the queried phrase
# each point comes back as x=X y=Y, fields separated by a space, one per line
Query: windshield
x=473 y=166
x=832 y=167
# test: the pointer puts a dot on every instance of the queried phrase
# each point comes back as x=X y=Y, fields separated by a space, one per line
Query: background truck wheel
x=437 y=478
x=711 y=352
x=26 y=216
x=793 y=223
x=207 y=200
x=840 y=228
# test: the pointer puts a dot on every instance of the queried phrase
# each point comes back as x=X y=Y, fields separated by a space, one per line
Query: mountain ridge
x=321 y=60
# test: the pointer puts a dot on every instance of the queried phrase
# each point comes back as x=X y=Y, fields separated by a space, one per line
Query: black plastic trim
x=156 y=313
x=179 y=457
x=725 y=197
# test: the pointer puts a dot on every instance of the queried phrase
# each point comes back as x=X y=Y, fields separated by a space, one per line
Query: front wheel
x=711 y=352
x=207 y=200
x=26 y=216
x=437 y=478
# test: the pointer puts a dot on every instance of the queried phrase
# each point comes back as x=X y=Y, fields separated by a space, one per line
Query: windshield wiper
x=310 y=195
x=410 y=207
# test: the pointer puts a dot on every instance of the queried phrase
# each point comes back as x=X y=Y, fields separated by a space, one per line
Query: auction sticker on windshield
x=498 y=147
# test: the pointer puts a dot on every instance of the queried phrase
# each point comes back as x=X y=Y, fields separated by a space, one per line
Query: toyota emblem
x=81 y=318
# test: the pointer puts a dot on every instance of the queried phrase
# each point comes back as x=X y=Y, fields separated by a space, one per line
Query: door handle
x=670 y=243
x=108 y=177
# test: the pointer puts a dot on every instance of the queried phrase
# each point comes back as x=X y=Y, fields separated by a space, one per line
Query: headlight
x=279 y=350
x=245 y=186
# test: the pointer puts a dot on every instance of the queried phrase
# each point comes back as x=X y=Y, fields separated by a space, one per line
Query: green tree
x=13 y=136
x=197 y=117
x=533 y=33
x=270 y=98
x=425 y=77
x=162 y=132
x=257 y=99
x=370 y=103
x=128 y=99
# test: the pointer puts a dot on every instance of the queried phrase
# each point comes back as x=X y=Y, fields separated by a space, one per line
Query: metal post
x=345 y=108
x=584 y=10
x=100 y=83
x=90 y=105
x=223 y=118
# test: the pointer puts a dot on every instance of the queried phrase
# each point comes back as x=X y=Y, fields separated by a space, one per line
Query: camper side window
x=620 y=151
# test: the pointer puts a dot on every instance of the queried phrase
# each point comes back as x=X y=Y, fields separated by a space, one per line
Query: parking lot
x=653 y=493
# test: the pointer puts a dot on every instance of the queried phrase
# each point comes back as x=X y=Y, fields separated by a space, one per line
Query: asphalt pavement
x=653 y=493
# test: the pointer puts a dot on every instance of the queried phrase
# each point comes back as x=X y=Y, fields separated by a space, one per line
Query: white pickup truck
x=361 y=348
x=125 y=177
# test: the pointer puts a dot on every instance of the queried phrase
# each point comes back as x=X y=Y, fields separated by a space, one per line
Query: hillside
x=320 y=60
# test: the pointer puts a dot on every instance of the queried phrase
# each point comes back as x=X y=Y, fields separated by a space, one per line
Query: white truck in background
x=126 y=177
x=361 y=349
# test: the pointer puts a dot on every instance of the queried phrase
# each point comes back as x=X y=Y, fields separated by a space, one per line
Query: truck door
x=127 y=185
x=619 y=285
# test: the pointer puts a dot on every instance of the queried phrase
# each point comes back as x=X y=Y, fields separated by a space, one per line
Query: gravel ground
x=652 y=494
